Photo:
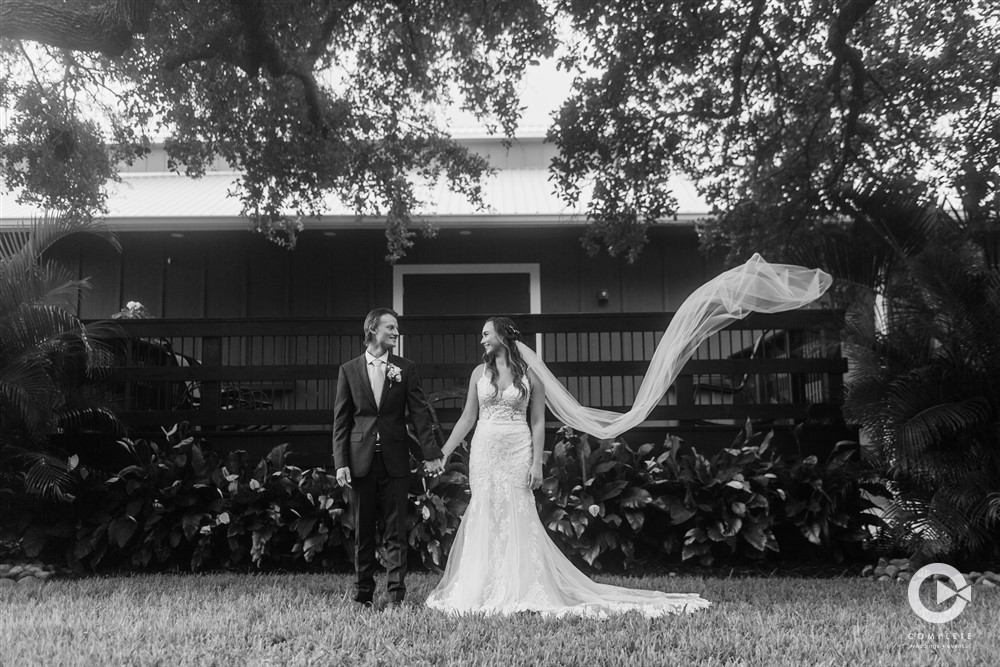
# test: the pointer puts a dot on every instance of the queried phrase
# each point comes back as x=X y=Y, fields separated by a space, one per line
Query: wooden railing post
x=835 y=381
x=127 y=387
x=607 y=375
x=684 y=388
x=211 y=350
x=796 y=338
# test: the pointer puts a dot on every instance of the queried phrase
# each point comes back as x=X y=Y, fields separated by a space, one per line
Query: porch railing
x=271 y=380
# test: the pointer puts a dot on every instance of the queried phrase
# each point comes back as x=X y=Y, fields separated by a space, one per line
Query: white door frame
x=399 y=271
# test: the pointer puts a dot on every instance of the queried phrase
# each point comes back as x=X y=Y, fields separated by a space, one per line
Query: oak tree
x=775 y=110
x=301 y=98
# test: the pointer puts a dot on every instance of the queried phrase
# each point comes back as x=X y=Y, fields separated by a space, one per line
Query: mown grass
x=231 y=619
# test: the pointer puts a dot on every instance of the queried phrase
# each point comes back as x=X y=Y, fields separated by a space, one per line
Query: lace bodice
x=506 y=405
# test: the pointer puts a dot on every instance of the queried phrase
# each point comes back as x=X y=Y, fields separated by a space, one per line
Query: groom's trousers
x=374 y=497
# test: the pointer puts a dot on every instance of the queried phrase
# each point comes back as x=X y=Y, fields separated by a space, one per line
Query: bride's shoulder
x=478 y=372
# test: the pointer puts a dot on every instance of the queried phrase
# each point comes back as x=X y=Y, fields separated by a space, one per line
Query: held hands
x=535 y=476
x=434 y=468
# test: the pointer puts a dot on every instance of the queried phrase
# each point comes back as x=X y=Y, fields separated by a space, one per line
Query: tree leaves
x=773 y=109
x=303 y=99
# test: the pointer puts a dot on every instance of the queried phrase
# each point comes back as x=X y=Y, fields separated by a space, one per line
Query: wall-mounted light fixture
x=602 y=297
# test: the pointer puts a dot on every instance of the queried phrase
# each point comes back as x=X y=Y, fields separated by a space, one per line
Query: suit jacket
x=357 y=420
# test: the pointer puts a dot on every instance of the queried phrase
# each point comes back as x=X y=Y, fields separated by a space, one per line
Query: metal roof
x=159 y=201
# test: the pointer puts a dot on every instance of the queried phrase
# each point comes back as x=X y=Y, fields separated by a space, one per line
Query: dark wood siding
x=226 y=266
x=143 y=274
x=238 y=274
x=184 y=276
x=101 y=264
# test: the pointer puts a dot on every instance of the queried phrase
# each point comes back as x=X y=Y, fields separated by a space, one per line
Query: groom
x=371 y=449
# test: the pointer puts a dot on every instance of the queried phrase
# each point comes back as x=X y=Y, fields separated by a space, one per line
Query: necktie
x=378 y=380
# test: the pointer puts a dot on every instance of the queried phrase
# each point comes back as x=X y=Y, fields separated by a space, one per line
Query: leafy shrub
x=594 y=498
x=607 y=504
x=183 y=508
x=437 y=507
x=615 y=505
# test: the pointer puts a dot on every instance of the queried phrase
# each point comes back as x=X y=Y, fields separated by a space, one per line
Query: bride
x=502 y=560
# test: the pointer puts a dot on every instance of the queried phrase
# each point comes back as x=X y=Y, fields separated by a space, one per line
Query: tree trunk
x=107 y=28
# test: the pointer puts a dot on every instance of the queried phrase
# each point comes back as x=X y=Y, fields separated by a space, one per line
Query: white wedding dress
x=502 y=561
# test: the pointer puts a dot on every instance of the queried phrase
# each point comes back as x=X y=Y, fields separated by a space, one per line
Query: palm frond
x=50 y=228
x=47 y=355
x=857 y=258
x=991 y=510
x=940 y=422
x=11 y=242
x=26 y=389
x=58 y=286
x=49 y=476
x=89 y=407
x=926 y=387
x=103 y=338
x=901 y=218
x=35 y=326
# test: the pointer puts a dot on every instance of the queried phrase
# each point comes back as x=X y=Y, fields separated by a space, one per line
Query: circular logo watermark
x=960 y=591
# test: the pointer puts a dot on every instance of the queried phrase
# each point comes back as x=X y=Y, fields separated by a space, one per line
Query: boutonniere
x=392 y=373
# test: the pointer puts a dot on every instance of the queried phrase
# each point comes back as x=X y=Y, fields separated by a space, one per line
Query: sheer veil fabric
x=754 y=287
x=502 y=560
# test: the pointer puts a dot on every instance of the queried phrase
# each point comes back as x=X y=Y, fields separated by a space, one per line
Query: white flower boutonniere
x=392 y=373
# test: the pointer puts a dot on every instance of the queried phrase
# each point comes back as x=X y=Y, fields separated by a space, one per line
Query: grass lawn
x=231 y=619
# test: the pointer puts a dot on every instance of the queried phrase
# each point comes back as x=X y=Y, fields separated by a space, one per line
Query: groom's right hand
x=344 y=476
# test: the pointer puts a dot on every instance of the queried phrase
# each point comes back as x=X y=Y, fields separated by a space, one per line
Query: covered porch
x=254 y=383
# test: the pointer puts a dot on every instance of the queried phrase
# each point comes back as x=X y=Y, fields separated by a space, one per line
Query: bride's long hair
x=508 y=335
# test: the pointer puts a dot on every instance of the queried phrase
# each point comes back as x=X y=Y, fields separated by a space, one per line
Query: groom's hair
x=371 y=322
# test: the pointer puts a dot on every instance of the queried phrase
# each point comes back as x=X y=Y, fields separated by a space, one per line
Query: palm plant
x=48 y=357
x=925 y=378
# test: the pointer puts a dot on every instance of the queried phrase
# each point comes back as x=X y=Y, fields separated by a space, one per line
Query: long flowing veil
x=754 y=287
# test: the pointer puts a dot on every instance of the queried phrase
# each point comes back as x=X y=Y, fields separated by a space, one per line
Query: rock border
x=901 y=570
x=25 y=573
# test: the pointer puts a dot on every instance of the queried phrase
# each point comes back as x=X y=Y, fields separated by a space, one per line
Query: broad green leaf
x=120 y=530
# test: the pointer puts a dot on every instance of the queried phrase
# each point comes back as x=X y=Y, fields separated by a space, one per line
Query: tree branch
x=261 y=50
x=746 y=41
x=219 y=43
x=107 y=28
x=318 y=46
x=313 y=98
x=851 y=13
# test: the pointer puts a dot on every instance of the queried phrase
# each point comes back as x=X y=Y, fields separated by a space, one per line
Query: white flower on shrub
x=133 y=310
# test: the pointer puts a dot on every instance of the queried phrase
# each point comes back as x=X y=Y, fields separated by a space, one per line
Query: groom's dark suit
x=370 y=438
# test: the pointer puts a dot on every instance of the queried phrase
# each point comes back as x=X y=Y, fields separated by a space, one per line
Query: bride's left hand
x=535 y=476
